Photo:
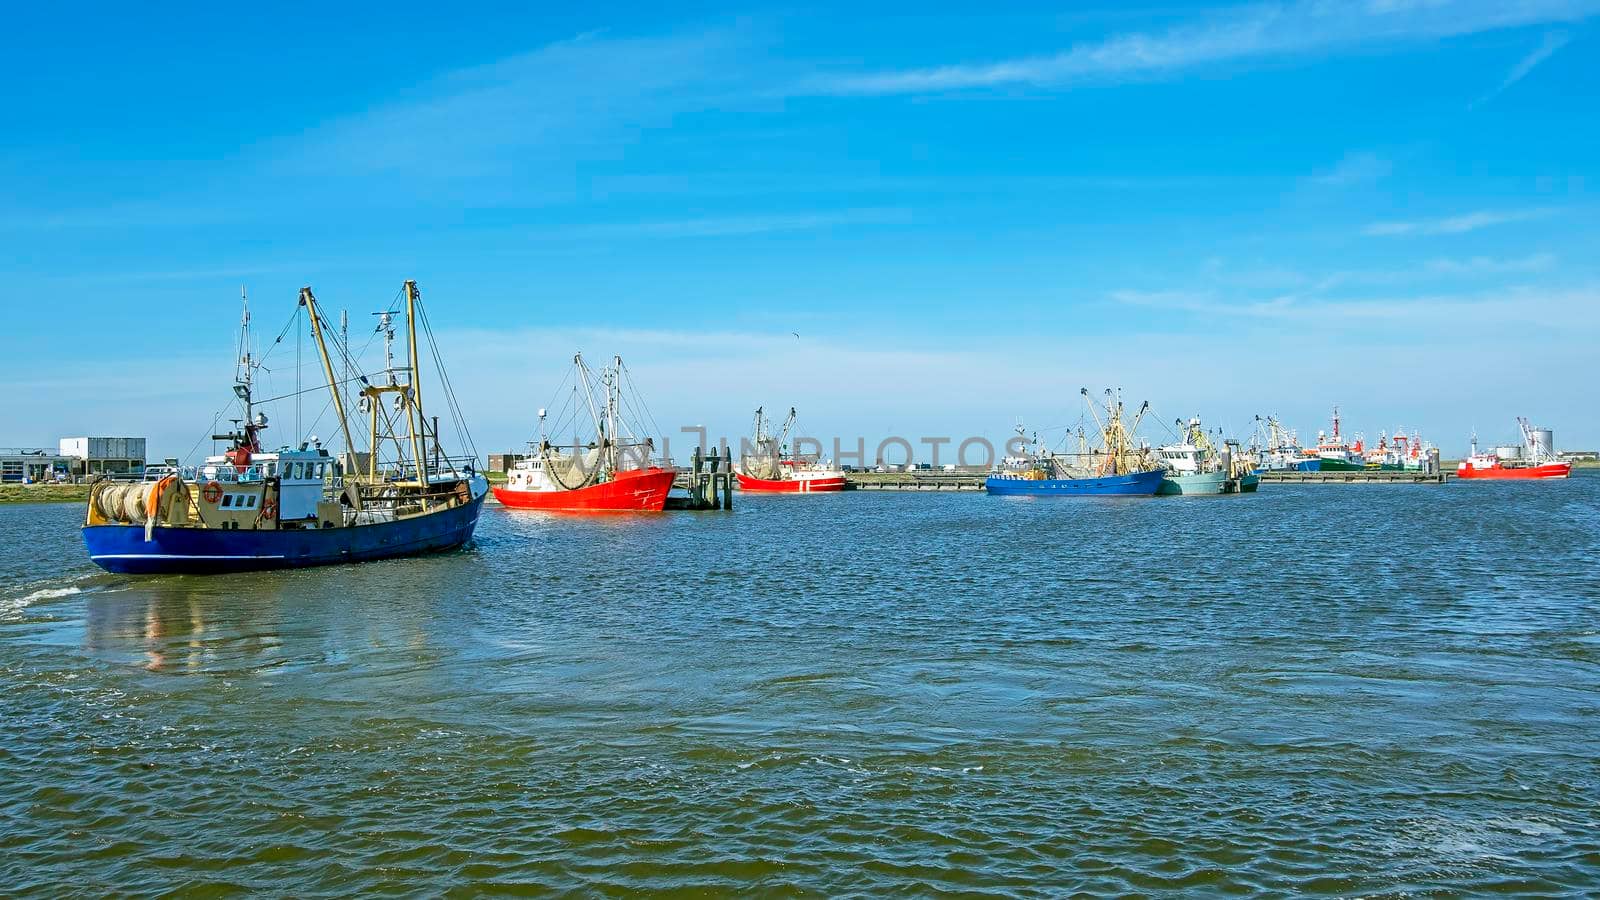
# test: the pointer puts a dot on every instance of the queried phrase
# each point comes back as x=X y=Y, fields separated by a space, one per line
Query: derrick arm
x=788 y=423
x=309 y=301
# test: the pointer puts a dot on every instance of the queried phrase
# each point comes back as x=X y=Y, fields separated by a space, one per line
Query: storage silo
x=1544 y=442
x=1508 y=451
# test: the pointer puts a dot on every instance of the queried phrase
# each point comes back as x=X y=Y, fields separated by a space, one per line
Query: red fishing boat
x=1535 y=458
x=611 y=473
x=772 y=468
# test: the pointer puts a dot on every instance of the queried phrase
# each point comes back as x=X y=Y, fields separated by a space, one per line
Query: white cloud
x=1454 y=224
x=579 y=97
x=1242 y=33
x=1355 y=169
x=1518 y=307
x=731 y=226
x=1552 y=42
x=1485 y=265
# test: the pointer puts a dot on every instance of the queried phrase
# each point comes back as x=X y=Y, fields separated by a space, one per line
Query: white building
x=105 y=455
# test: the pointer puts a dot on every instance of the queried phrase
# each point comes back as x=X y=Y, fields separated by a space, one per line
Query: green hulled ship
x=1334 y=454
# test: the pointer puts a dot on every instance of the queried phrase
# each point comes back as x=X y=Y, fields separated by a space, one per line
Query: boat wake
x=45 y=592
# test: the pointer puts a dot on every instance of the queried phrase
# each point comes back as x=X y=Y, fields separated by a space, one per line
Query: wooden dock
x=1366 y=476
x=707 y=483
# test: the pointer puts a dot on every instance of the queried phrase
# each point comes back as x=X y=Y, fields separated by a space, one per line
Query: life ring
x=212 y=492
x=269 y=510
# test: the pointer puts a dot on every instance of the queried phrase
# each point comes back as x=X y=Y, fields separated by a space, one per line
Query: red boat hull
x=639 y=490
x=1549 y=470
x=786 y=486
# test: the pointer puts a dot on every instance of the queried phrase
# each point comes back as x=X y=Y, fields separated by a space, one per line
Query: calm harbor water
x=1371 y=690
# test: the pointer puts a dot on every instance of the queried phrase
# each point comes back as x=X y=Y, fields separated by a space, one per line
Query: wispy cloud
x=1547 y=48
x=731 y=226
x=1355 y=169
x=1527 y=307
x=1240 y=34
x=1452 y=225
x=1485 y=265
x=579 y=97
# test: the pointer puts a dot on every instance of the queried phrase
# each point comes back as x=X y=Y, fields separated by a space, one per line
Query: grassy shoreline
x=44 y=493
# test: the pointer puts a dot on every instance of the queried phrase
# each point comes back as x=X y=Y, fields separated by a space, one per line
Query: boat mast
x=588 y=397
x=415 y=423
x=613 y=392
x=244 y=373
x=309 y=301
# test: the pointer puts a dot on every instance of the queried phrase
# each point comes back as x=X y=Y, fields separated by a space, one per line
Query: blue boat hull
x=1304 y=465
x=205 y=551
x=1139 y=484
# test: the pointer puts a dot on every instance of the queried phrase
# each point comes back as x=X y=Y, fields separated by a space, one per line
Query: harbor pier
x=1358 y=476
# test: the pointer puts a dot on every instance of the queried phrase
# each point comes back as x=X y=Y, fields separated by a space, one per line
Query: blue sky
x=966 y=215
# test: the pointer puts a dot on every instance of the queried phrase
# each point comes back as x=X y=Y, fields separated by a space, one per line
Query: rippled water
x=1346 y=690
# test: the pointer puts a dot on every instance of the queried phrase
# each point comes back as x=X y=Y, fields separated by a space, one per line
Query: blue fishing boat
x=1138 y=484
x=1116 y=468
x=249 y=508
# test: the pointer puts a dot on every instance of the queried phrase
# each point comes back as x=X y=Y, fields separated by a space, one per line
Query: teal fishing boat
x=1197 y=466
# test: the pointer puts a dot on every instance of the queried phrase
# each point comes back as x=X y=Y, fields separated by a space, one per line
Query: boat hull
x=643 y=490
x=1208 y=483
x=1139 y=484
x=213 y=551
x=1518 y=473
x=1339 y=465
x=790 y=486
x=1303 y=465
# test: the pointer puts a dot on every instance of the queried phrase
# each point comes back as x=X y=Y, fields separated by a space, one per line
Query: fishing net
x=763 y=463
x=572 y=470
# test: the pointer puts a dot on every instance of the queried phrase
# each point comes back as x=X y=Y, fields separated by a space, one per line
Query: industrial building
x=92 y=456
x=31 y=464
x=501 y=463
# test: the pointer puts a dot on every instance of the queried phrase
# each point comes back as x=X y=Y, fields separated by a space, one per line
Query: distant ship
x=1401 y=452
x=1277 y=449
x=1116 y=467
x=297 y=506
x=612 y=472
x=775 y=469
x=1535 y=458
x=1196 y=465
x=1335 y=455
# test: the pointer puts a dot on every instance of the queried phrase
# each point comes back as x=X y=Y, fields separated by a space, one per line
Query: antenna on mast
x=386 y=326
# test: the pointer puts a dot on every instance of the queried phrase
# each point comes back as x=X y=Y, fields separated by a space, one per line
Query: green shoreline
x=44 y=493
